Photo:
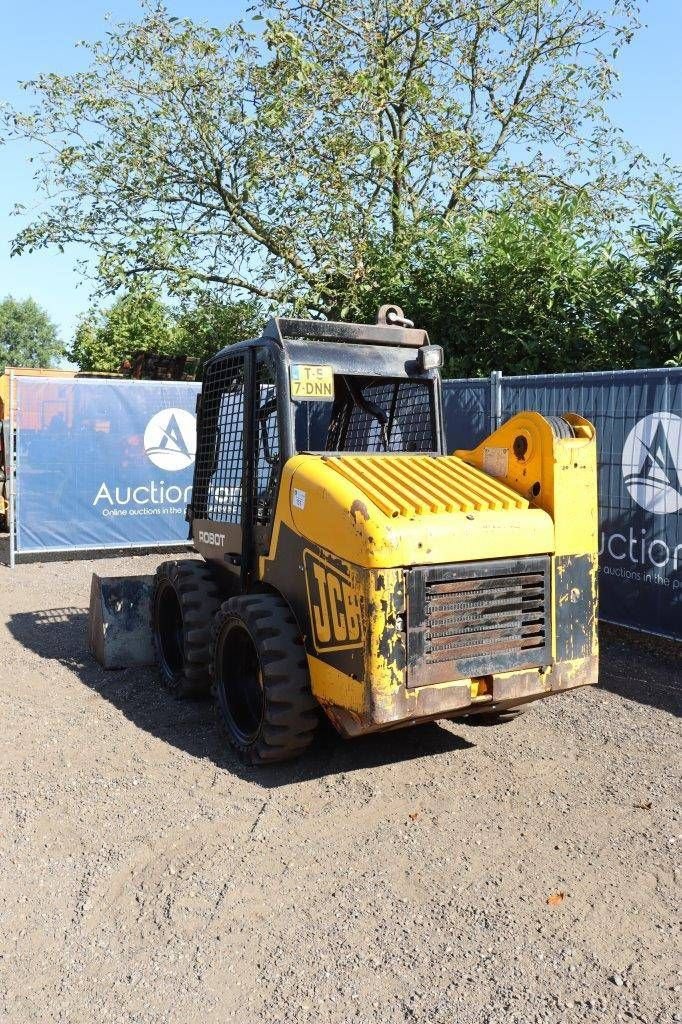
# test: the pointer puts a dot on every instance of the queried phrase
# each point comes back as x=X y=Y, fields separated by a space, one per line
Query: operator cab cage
x=382 y=394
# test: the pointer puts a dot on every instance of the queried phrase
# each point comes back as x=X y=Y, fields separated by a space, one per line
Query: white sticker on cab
x=299 y=498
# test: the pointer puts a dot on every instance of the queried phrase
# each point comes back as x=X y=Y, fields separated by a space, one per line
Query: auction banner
x=102 y=463
x=638 y=418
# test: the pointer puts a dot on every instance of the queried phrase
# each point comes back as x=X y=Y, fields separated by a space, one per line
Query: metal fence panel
x=466 y=411
x=109 y=464
x=638 y=417
x=102 y=463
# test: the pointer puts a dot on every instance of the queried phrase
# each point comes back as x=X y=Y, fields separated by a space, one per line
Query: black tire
x=260 y=681
x=184 y=602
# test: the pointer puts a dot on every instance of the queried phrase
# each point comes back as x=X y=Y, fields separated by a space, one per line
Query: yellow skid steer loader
x=351 y=564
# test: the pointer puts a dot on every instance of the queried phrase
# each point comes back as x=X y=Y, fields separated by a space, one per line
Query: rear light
x=481 y=687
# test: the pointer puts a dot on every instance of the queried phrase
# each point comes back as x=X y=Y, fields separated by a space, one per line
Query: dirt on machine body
x=352 y=565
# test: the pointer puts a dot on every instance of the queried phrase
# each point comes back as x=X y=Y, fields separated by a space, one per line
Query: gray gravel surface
x=146 y=877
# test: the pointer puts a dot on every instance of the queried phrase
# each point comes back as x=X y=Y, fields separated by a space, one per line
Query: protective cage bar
x=478 y=618
x=334 y=330
x=217 y=493
x=410 y=427
x=232 y=423
x=266 y=442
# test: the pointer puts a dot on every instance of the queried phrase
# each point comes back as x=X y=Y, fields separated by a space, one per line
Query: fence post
x=11 y=507
x=495 y=400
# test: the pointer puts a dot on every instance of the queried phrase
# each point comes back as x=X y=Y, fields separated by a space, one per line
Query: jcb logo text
x=335 y=605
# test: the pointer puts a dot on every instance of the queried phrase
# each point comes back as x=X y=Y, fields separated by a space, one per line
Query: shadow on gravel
x=493 y=720
x=642 y=668
x=60 y=634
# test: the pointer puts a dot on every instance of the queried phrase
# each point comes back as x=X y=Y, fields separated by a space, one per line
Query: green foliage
x=653 y=314
x=206 y=156
x=454 y=157
x=27 y=335
x=139 y=321
x=535 y=292
x=207 y=325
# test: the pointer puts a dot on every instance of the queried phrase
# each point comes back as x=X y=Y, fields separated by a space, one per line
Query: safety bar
x=279 y=328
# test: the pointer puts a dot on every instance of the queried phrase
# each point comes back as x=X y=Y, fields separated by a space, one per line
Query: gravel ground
x=448 y=874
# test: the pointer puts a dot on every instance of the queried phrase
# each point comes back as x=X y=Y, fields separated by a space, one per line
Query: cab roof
x=394 y=335
x=381 y=349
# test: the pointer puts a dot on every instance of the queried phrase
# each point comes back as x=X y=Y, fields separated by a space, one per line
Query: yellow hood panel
x=382 y=511
x=417 y=485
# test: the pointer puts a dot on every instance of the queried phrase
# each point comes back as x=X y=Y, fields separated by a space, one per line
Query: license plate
x=311 y=383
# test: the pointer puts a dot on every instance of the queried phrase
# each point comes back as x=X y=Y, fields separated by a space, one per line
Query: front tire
x=184 y=601
x=260 y=681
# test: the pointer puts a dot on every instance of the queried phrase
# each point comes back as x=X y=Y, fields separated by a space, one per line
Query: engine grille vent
x=415 y=485
x=478 y=618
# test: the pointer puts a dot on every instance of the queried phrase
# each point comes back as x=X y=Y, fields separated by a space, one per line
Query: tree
x=208 y=324
x=137 y=322
x=27 y=335
x=537 y=292
x=217 y=157
x=516 y=292
x=652 y=314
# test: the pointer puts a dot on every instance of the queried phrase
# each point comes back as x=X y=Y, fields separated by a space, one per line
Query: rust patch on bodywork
x=521 y=684
x=576 y=606
x=359 y=510
x=386 y=654
x=402 y=708
x=453 y=700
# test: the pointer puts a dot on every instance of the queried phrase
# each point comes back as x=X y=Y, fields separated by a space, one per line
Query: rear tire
x=260 y=681
x=184 y=601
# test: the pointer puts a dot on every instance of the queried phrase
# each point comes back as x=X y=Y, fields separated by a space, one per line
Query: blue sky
x=39 y=35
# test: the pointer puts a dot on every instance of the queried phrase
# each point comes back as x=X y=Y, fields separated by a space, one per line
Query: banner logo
x=170 y=439
x=652 y=463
